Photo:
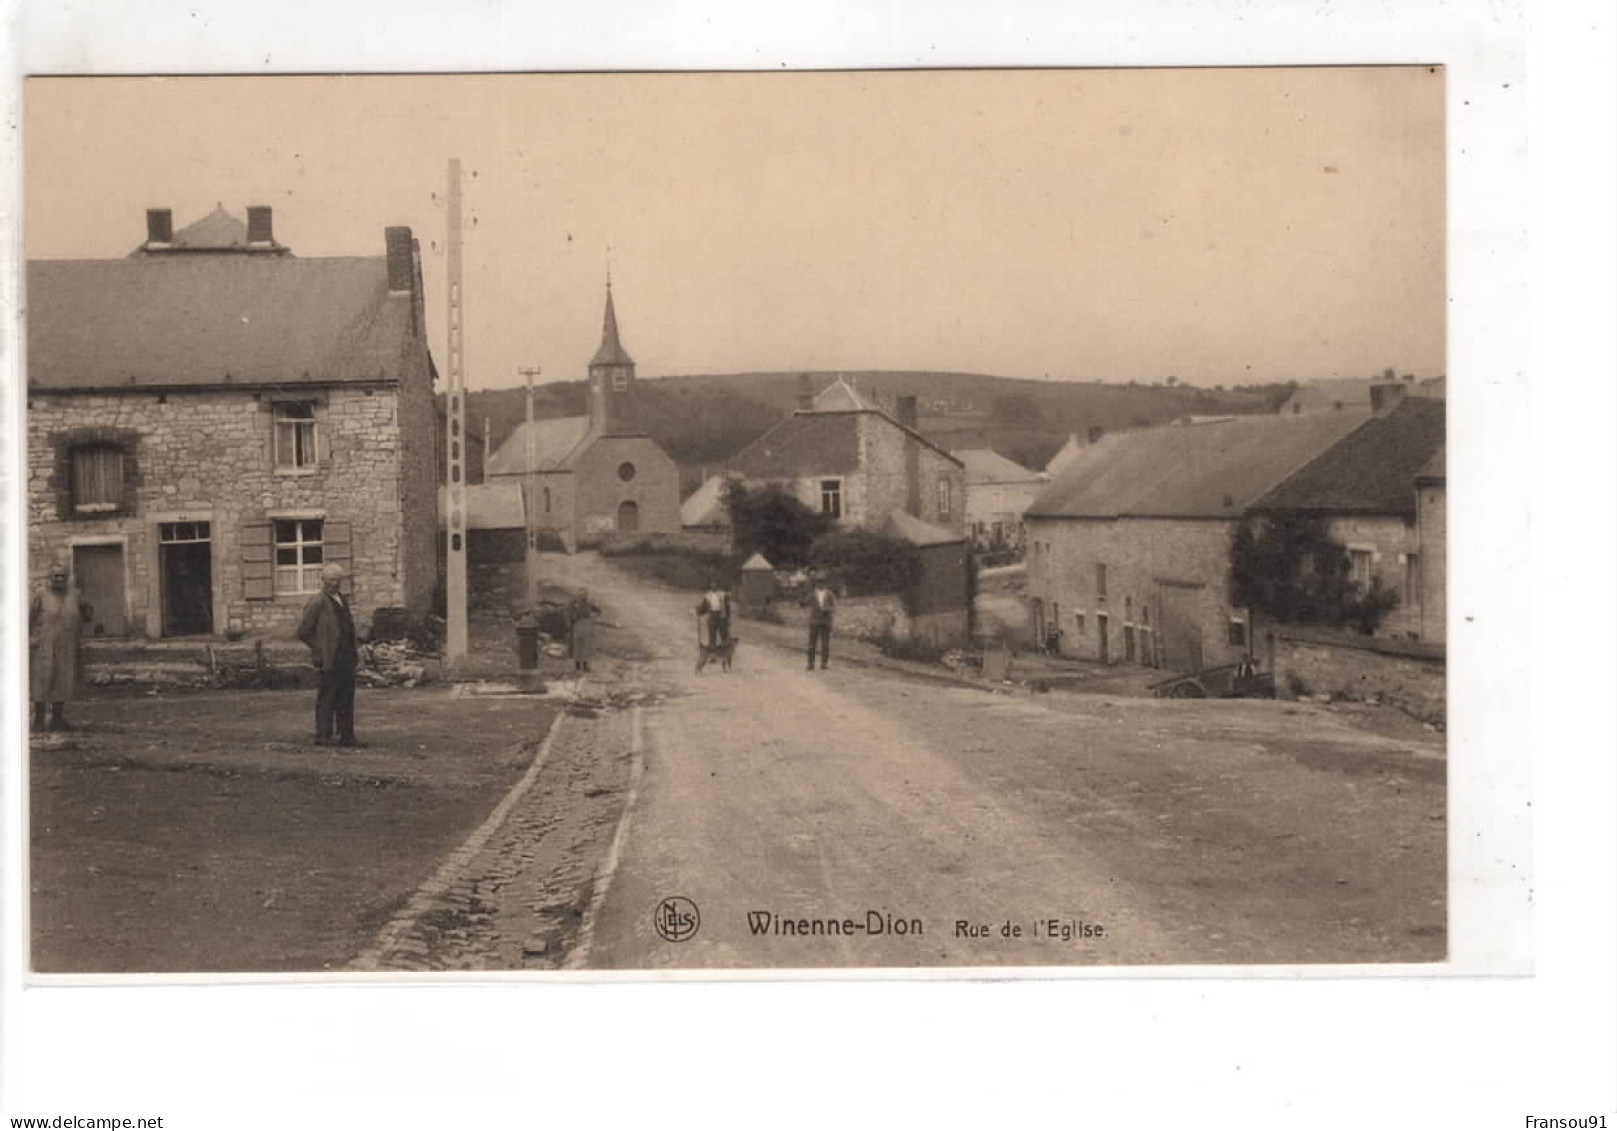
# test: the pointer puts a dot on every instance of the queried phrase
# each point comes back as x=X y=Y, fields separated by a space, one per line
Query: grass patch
x=679 y=567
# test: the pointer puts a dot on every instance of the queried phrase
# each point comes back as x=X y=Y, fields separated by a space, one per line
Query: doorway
x=1102 y=638
x=185 y=557
x=628 y=517
x=98 y=572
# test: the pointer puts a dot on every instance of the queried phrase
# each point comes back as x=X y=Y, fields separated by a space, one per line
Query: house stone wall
x=1432 y=538
x=1167 y=579
x=881 y=486
x=1390 y=540
x=206 y=455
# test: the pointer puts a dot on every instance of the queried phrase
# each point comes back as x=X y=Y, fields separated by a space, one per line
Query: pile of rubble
x=395 y=663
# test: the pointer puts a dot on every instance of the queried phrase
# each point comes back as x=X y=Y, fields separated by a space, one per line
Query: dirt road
x=856 y=818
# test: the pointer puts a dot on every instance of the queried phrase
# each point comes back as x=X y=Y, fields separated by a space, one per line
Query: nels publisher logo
x=676 y=918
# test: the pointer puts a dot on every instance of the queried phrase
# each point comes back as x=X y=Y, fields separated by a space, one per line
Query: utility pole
x=530 y=492
x=455 y=579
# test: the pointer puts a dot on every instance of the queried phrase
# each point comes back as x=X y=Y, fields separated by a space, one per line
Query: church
x=599 y=476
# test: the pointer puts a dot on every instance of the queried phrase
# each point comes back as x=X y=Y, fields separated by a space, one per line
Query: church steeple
x=611 y=351
x=614 y=408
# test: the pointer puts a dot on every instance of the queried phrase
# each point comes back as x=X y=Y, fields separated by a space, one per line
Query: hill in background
x=702 y=421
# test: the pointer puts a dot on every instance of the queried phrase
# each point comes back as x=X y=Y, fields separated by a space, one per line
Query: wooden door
x=98 y=572
x=628 y=517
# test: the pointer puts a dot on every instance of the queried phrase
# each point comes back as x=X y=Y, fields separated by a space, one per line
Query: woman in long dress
x=581 y=614
x=55 y=673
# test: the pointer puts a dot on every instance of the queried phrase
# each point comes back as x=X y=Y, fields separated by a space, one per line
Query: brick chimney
x=805 y=394
x=1385 y=396
x=159 y=225
x=908 y=413
x=260 y=224
x=400 y=260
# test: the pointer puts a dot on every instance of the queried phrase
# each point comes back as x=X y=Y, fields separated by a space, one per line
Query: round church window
x=626 y=471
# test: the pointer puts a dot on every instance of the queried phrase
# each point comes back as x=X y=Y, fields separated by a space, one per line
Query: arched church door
x=628 y=517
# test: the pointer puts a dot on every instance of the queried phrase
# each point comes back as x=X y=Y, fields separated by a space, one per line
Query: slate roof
x=1435 y=470
x=611 y=351
x=913 y=530
x=1188 y=470
x=489 y=506
x=705 y=507
x=985 y=465
x=1372 y=470
x=805 y=443
x=557 y=444
x=839 y=396
x=208 y=320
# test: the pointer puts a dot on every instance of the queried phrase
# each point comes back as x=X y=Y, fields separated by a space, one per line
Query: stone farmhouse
x=1365 y=489
x=1128 y=548
x=843 y=456
x=213 y=418
x=998 y=490
x=596 y=476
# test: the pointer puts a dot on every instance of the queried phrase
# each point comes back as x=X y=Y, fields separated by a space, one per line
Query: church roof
x=611 y=351
x=556 y=445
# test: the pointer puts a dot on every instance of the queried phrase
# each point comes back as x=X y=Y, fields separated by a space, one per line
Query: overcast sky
x=1221 y=226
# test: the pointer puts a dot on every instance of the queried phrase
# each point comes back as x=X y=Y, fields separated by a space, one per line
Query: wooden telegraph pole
x=455 y=579
x=530 y=493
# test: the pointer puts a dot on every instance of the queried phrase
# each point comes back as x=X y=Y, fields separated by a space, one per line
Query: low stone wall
x=866 y=618
x=873 y=618
x=1408 y=674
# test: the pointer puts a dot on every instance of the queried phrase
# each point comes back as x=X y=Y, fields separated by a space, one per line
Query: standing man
x=54 y=618
x=822 y=604
x=328 y=630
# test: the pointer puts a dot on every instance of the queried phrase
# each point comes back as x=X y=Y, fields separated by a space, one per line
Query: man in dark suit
x=328 y=630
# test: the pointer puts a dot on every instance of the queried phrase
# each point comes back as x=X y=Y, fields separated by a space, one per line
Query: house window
x=299 y=554
x=1100 y=580
x=945 y=498
x=1128 y=610
x=98 y=478
x=626 y=471
x=294 y=436
x=831 y=497
x=547 y=500
x=1237 y=633
x=1079 y=619
x=620 y=382
x=1359 y=569
x=1412 y=579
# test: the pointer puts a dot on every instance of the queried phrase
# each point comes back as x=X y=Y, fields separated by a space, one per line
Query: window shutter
x=339 y=543
x=257 y=561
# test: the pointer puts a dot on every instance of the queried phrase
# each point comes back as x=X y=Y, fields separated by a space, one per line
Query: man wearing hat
x=328 y=630
x=55 y=616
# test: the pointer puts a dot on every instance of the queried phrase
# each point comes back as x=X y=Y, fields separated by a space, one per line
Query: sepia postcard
x=610 y=524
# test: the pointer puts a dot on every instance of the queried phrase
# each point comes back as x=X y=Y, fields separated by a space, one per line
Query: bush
x=859 y=563
x=771 y=521
x=681 y=567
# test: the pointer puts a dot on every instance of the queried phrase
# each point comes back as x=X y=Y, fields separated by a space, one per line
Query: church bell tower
x=614 y=407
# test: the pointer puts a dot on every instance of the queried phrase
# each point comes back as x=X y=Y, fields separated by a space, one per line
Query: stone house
x=998 y=490
x=1431 y=540
x=212 y=419
x=843 y=456
x=1365 y=489
x=600 y=475
x=1128 y=548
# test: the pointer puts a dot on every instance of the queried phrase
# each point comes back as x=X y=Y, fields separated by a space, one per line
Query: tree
x=1287 y=568
x=771 y=521
x=860 y=562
